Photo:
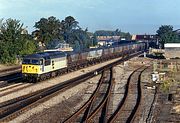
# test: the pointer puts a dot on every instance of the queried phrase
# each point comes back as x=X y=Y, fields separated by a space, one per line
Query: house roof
x=177 y=31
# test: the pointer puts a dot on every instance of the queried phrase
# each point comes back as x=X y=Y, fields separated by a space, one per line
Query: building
x=177 y=31
x=144 y=37
x=61 y=47
x=107 y=40
x=151 y=39
x=172 y=50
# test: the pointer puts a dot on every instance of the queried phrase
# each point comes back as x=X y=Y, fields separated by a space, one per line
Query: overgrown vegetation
x=171 y=81
x=165 y=86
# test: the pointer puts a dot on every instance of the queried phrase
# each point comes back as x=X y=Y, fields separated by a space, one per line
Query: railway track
x=94 y=105
x=128 y=109
x=12 y=108
x=10 y=79
x=10 y=70
x=11 y=75
x=14 y=88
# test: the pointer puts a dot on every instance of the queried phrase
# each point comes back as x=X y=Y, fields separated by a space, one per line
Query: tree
x=81 y=37
x=125 y=35
x=51 y=30
x=48 y=30
x=13 y=42
x=77 y=46
x=68 y=25
x=28 y=46
x=164 y=29
x=166 y=34
x=94 y=41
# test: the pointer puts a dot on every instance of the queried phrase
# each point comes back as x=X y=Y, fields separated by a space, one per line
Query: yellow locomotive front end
x=31 y=69
x=41 y=66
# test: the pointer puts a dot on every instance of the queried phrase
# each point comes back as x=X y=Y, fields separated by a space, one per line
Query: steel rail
x=10 y=69
x=135 y=110
x=87 y=113
x=9 y=79
x=100 y=106
x=15 y=105
x=104 y=114
x=99 y=70
x=93 y=96
x=113 y=117
x=14 y=89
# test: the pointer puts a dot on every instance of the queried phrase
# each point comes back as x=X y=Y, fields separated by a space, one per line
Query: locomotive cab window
x=26 y=61
x=35 y=61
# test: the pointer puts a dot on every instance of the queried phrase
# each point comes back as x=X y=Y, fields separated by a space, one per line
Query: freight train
x=44 y=65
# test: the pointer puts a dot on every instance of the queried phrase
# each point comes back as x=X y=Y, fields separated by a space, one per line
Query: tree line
x=15 y=42
x=51 y=29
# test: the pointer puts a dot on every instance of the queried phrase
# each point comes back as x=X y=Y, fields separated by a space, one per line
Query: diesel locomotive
x=44 y=65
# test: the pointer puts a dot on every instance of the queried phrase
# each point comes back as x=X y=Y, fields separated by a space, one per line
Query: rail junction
x=98 y=102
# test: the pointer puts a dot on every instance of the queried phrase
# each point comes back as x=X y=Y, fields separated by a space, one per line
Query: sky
x=134 y=16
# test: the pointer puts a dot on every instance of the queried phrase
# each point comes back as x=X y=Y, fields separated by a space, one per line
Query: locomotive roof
x=46 y=55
